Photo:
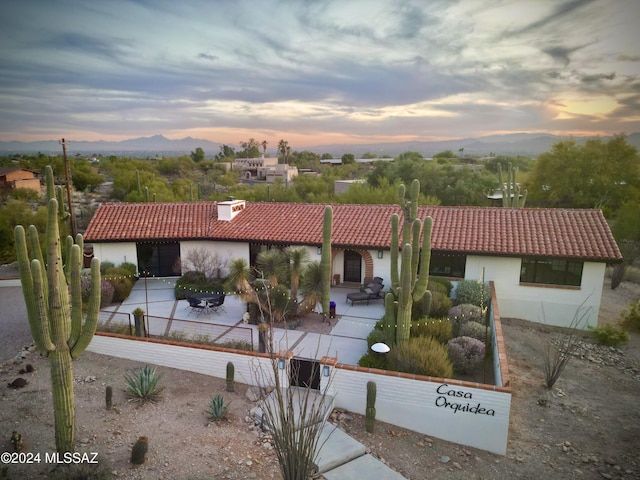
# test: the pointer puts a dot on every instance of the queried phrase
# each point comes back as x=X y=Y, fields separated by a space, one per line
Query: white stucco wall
x=226 y=251
x=116 y=253
x=542 y=304
x=476 y=417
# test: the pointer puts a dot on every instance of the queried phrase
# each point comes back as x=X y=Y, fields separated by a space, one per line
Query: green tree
x=626 y=230
x=84 y=176
x=326 y=156
x=198 y=155
x=226 y=153
x=598 y=174
x=348 y=158
x=250 y=149
x=445 y=154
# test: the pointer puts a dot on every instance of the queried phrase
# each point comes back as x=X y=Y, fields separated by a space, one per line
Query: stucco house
x=265 y=168
x=11 y=178
x=545 y=263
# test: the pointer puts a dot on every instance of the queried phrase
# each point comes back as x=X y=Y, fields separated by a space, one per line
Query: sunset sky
x=317 y=72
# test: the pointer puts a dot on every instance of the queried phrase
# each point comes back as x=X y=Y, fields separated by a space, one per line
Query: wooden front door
x=352 y=266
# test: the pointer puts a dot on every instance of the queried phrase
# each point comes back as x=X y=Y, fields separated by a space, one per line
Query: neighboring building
x=12 y=178
x=265 y=168
x=341 y=186
x=545 y=263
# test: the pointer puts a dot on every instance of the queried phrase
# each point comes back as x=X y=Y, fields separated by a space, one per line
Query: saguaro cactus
x=408 y=286
x=325 y=260
x=370 y=412
x=230 y=374
x=56 y=325
x=511 y=196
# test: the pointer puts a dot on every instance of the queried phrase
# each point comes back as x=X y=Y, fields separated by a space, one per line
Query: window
x=445 y=264
x=551 y=271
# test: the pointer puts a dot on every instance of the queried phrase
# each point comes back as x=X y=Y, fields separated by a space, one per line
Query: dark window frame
x=447 y=264
x=551 y=271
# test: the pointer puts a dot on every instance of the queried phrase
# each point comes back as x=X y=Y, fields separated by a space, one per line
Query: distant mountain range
x=528 y=144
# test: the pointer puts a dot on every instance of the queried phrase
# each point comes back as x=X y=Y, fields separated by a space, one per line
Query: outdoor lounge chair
x=370 y=290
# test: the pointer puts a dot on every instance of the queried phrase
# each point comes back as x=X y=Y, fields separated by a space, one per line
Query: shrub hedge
x=466 y=354
x=421 y=356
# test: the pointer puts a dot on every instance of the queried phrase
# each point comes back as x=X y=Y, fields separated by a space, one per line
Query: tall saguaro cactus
x=56 y=324
x=408 y=286
x=325 y=260
x=511 y=196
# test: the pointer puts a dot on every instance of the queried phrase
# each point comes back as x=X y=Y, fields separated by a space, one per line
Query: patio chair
x=196 y=306
x=216 y=304
x=369 y=291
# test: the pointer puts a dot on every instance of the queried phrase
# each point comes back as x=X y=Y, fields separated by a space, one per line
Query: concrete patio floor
x=166 y=315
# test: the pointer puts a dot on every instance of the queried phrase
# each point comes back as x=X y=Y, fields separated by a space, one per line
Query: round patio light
x=380 y=347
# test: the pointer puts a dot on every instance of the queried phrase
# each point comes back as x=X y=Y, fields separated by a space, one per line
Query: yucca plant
x=142 y=384
x=218 y=409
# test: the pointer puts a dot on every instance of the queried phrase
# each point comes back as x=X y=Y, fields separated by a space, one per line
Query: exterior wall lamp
x=325 y=371
x=281 y=363
x=319 y=250
x=380 y=253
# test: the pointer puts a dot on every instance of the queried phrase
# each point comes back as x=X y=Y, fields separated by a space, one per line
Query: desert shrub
x=631 y=317
x=373 y=360
x=217 y=408
x=436 y=287
x=121 y=282
x=440 y=305
x=421 y=356
x=106 y=296
x=632 y=274
x=421 y=308
x=475 y=330
x=442 y=281
x=610 y=335
x=104 y=266
x=461 y=314
x=142 y=384
x=195 y=282
x=438 y=328
x=121 y=328
x=236 y=344
x=130 y=268
x=471 y=291
x=466 y=354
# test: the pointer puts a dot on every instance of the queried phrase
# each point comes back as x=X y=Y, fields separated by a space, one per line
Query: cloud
x=353 y=68
x=208 y=56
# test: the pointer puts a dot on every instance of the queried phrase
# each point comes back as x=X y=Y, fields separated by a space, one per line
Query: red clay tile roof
x=563 y=233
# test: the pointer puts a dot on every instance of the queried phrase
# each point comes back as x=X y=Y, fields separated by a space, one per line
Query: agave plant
x=142 y=384
x=218 y=409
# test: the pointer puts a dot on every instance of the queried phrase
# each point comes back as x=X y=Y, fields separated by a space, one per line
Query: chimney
x=229 y=209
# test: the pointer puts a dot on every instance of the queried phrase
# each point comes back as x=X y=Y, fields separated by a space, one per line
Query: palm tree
x=311 y=287
x=264 y=146
x=282 y=149
x=297 y=257
x=274 y=266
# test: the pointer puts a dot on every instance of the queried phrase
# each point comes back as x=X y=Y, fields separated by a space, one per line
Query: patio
x=346 y=340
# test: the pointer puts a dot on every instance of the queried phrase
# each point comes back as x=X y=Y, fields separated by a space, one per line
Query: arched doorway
x=352 y=266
